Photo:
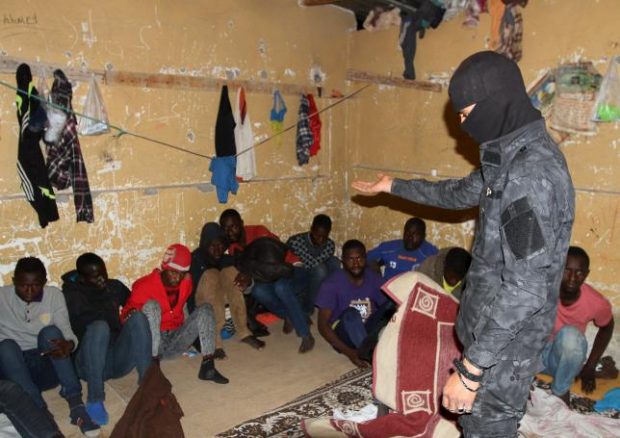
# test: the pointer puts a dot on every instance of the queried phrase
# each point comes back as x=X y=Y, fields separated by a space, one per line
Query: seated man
x=448 y=268
x=219 y=285
x=316 y=251
x=280 y=296
x=107 y=348
x=36 y=341
x=405 y=254
x=564 y=356
x=27 y=419
x=161 y=296
x=352 y=308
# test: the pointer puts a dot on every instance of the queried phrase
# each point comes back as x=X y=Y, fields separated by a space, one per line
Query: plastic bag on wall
x=96 y=121
x=607 y=107
x=42 y=87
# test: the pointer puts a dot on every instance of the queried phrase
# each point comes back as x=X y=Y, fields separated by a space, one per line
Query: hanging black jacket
x=31 y=167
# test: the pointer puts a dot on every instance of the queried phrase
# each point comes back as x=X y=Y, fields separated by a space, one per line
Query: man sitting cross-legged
x=36 y=341
x=220 y=284
x=565 y=354
x=108 y=349
x=161 y=296
x=352 y=308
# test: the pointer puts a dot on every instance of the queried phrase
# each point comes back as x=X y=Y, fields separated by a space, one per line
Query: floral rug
x=351 y=391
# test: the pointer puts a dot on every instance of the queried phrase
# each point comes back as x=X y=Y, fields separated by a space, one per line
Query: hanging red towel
x=315 y=126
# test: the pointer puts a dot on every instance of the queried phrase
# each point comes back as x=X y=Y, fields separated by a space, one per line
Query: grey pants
x=172 y=343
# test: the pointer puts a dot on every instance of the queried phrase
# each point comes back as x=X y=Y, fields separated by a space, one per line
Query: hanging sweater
x=225 y=127
x=244 y=139
x=304 y=133
x=315 y=126
x=30 y=163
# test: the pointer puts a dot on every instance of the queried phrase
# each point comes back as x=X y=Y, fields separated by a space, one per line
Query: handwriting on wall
x=28 y=20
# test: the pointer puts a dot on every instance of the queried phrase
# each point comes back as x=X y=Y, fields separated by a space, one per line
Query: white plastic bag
x=607 y=106
x=96 y=121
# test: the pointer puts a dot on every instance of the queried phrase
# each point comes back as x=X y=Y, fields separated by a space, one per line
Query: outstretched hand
x=383 y=184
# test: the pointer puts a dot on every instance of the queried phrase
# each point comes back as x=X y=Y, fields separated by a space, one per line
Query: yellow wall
x=401 y=131
x=138 y=209
x=405 y=132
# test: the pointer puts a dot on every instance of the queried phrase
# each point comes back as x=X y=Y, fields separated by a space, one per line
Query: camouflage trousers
x=501 y=400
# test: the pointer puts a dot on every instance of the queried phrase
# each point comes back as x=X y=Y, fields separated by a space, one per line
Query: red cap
x=177 y=258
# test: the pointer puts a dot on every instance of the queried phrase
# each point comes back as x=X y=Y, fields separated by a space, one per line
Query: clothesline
x=122 y=131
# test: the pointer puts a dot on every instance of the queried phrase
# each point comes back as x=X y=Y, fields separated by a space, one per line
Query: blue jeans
x=36 y=373
x=280 y=298
x=98 y=359
x=309 y=282
x=353 y=331
x=564 y=358
x=28 y=419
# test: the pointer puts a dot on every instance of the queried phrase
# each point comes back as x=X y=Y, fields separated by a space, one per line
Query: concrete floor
x=259 y=381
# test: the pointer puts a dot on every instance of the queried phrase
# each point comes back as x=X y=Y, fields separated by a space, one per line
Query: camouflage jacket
x=526 y=207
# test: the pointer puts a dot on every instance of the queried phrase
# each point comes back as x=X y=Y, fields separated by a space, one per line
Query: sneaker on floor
x=97 y=413
x=79 y=417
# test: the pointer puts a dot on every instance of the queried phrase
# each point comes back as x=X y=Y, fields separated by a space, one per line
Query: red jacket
x=150 y=287
x=253 y=232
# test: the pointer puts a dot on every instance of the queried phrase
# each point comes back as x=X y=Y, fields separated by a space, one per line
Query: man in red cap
x=161 y=296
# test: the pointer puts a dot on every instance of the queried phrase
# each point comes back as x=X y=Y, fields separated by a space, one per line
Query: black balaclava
x=494 y=83
x=23 y=77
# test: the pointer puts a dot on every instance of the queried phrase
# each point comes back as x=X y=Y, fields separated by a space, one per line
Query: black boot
x=208 y=372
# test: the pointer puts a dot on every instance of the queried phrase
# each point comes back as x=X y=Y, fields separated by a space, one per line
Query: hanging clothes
x=223 y=177
x=244 y=139
x=65 y=164
x=511 y=33
x=276 y=117
x=426 y=15
x=305 y=138
x=496 y=10
x=225 y=127
x=315 y=126
x=224 y=166
x=30 y=163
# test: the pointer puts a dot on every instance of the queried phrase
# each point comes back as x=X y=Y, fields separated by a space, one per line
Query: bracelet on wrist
x=467 y=387
x=462 y=370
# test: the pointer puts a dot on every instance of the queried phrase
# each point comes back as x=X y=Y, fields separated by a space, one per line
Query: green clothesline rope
x=123 y=131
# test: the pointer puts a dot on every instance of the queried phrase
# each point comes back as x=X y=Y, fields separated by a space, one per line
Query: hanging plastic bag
x=42 y=86
x=607 y=107
x=96 y=121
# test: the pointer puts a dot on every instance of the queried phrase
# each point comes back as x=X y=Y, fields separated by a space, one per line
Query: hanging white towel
x=244 y=139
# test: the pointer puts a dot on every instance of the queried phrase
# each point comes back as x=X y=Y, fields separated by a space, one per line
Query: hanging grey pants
x=172 y=343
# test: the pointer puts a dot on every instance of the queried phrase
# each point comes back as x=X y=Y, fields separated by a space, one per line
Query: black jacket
x=527 y=205
x=87 y=304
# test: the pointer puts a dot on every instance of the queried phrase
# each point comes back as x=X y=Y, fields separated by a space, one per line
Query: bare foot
x=219 y=354
x=254 y=342
x=307 y=344
x=287 y=327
